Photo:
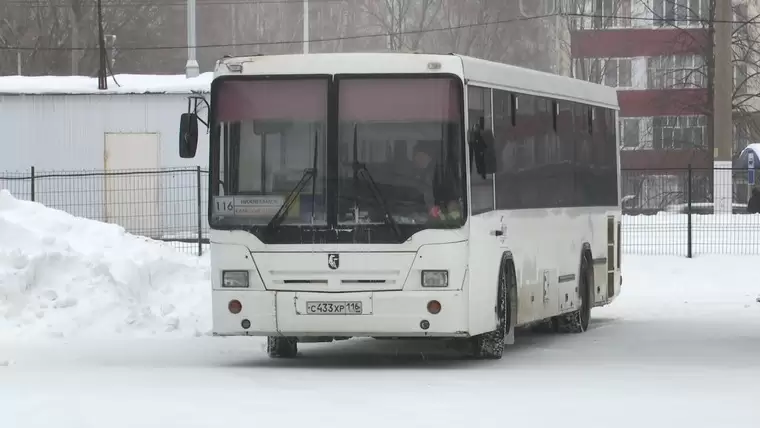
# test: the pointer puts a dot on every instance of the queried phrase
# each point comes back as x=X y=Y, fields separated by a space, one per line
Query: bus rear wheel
x=282 y=347
x=578 y=320
x=491 y=345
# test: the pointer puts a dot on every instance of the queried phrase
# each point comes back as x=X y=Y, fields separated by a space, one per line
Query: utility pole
x=722 y=109
x=233 y=28
x=305 y=26
x=74 y=43
x=191 y=67
x=102 y=68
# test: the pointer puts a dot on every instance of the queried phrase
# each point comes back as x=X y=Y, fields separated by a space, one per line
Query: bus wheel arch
x=578 y=320
x=491 y=345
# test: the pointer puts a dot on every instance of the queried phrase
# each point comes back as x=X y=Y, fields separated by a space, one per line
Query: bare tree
x=586 y=15
x=60 y=36
x=494 y=30
x=403 y=21
x=56 y=36
x=685 y=80
x=699 y=75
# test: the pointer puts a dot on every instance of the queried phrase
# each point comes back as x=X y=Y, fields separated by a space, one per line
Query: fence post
x=32 y=186
x=200 y=208
x=688 y=215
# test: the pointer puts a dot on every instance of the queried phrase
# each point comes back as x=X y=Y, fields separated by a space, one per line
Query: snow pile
x=127 y=84
x=66 y=276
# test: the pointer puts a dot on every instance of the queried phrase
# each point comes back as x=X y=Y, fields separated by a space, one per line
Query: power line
x=367 y=36
x=141 y=4
x=657 y=19
x=173 y=3
x=288 y=42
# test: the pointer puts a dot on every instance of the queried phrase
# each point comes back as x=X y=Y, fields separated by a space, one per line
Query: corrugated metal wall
x=67 y=133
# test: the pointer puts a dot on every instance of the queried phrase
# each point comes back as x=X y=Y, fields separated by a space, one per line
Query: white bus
x=404 y=195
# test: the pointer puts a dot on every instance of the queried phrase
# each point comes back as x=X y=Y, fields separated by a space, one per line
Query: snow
x=755 y=147
x=683 y=336
x=127 y=84
x=61 y=276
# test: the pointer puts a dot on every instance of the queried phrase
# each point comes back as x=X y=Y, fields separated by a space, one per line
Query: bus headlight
x=235 y=279
x=435 y=278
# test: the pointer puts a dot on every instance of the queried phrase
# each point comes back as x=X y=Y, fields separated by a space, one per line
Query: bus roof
x=518 y=79
x=473 y=70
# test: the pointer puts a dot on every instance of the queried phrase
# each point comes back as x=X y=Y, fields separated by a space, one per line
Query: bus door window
x=505 y=119
x=480 y=117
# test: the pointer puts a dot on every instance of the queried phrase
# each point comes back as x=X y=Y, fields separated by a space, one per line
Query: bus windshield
x=385 y=161
x=272 y=138
x=400 y=149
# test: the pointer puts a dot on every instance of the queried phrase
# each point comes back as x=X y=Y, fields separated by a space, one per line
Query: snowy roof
x=128 y=84
x=755 y=147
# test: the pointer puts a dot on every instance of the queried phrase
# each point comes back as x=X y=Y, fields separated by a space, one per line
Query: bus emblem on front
x=333 y=260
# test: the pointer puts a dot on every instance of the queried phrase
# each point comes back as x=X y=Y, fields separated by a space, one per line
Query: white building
x=109 y=155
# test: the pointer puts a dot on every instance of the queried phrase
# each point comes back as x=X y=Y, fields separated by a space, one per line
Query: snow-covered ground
x=102 y=329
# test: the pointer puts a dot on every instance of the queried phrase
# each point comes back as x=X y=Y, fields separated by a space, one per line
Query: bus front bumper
x=384 y=314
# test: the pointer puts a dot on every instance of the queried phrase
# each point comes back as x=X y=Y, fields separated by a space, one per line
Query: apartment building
x=654 y=51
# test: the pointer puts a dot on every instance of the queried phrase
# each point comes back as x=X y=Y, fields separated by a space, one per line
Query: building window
x=588 y=69
x=629 y=133
x=678 y=132
x=602 y=14
x=612 y=13
x=680 y=13
x=676 y=72
x=614 y=72
x=617 y=72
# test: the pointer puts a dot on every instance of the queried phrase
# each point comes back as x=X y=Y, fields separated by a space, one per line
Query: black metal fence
x=162 y=204
x=666 y=212
x=673 y=212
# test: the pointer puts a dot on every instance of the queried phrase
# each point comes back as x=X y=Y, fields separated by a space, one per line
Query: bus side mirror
x=483 y=152
x=188 y=135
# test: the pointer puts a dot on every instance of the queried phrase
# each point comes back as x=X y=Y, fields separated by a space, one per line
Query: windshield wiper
x=361 y=167
x=309 y=173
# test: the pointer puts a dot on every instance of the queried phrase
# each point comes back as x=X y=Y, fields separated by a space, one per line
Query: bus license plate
x=334 y=308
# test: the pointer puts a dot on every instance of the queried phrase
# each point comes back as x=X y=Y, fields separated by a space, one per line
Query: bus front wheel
x=491 y=345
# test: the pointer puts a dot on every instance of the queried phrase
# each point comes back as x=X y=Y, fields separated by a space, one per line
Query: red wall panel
x=627 y=43
x=662 y=102
x=663 y=159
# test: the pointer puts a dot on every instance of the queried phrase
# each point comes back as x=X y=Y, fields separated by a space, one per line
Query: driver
x=440 y=198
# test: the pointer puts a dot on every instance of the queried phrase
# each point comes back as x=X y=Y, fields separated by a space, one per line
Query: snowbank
x=66 y=276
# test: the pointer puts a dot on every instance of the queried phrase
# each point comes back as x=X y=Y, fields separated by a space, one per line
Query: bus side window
x=480 y=124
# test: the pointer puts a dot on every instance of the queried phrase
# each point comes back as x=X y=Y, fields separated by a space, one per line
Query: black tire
x=491 y=345
x=578 y=320
x=282 y=347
